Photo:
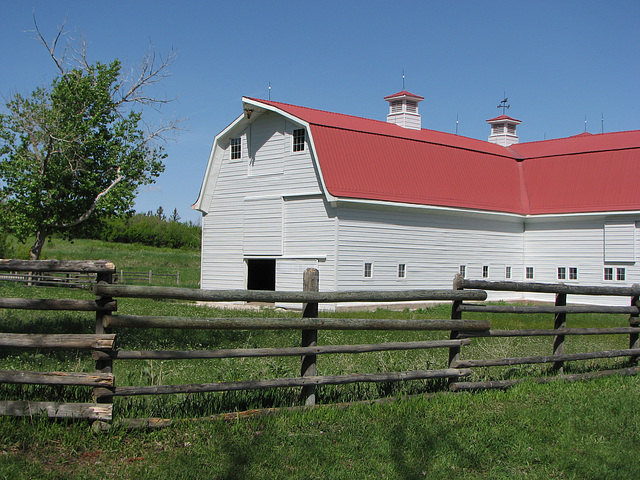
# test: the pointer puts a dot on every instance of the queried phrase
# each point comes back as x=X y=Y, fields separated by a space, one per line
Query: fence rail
x=560 y=310
x=101 y=345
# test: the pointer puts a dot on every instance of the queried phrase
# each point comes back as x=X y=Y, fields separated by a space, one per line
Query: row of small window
x=564 y=273
x=298 y=144
x=368 y=270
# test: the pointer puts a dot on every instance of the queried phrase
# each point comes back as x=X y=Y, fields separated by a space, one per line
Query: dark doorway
x=261 y=274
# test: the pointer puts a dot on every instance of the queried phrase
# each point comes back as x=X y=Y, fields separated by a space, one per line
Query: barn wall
x=579 y=242
x=265 y=205
x=432 y=245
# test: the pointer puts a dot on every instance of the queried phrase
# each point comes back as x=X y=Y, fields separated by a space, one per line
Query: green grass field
x=584 y=430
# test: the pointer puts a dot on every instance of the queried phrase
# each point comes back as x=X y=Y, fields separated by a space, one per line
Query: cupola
x=403 y=110
x=503 y=130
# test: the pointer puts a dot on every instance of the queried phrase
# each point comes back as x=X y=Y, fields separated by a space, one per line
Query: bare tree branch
x=93 y=206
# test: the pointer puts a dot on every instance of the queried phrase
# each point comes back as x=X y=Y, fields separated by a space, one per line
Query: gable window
x=298 y=140
x=236 y=148
x=463 y=270
x=608 y=273
x=621 y=273
x=402 y=270
x=485 y=271
x=368 y=270
x=562 y=273
x=573 y=273
x=507 y=272
x=529 y=273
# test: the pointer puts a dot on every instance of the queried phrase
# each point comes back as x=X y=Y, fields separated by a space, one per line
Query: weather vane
x=503 y=104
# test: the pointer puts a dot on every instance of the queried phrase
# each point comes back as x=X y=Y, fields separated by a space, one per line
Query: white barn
x=388 y=205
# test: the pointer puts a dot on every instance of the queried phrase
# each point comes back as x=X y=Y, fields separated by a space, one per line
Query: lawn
x=583 y=430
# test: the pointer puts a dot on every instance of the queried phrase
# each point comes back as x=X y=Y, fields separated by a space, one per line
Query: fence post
x=634 y=321
x=560 y=321
x=106 y=365
x=178 y=277
x=454 y=352
x=150 y=277
x=310 y=283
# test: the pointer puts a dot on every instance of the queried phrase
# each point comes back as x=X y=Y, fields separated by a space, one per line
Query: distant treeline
x=151 y=229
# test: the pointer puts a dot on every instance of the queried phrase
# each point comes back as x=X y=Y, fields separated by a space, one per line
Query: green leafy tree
x=77 y=150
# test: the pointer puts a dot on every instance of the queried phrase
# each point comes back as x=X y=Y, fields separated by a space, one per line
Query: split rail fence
x=560 y=331
x=102 y=343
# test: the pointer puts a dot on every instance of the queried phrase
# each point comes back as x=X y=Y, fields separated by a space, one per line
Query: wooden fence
x=103 y=349
x=98 y=342
x=558 y=312
x=124 y=277
x=102 y=344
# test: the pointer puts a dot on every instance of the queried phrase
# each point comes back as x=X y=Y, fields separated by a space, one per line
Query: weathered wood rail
x=103 y=349
x=559 y=310
x=104 y=352
x=100 y=342
x=308 y=325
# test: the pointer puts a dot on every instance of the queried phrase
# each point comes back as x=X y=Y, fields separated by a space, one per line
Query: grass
x=575 y=431
x=584 y=430
x=127 y=257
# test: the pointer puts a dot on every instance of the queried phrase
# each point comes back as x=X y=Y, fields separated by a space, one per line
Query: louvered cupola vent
x=403 y=110
x=503 y=130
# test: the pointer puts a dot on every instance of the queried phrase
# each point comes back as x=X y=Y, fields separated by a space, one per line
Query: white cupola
x=503 y=130
x=403 y=110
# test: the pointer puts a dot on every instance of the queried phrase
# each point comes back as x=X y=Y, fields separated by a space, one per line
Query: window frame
x=607 y=272
x=402 y=271
x=621 y=274
x=508 y=272
x=462 y=270
x=529 y=273
x=562 y=273
x=573 y=273
x=298 y=140
x=235 y=148
x=485 y=271
x=367 y=270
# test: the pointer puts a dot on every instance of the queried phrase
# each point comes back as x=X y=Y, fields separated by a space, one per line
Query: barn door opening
x=261 y=274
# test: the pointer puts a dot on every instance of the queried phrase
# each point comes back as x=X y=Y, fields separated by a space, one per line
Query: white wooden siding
x=262 y=226
x=432 y=245
x=619 y=242
x=223 y=261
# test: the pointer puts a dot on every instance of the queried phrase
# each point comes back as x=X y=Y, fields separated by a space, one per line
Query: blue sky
x=558 y=62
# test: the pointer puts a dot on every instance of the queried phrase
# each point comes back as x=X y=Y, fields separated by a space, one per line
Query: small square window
x=236 y=148
x=368 y=270
x=608 y=273
x=402 y=270
x=573 y=273
x=562 y=273
x=507 y=272
x=621 y=274
x=298 y=140
x=485 y=271
x=463 y=270
x=529 y=273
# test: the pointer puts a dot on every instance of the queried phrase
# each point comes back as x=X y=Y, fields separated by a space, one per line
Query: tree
x=77 y=149
x=175 y=217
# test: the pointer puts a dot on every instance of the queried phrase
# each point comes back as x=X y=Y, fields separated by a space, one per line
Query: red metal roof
x=503 y=117
x=403 y=93
x=373 y=160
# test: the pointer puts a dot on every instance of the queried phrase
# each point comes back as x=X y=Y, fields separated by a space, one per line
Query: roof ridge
x=402 y=132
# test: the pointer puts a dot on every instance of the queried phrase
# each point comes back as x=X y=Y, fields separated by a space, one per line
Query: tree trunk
x=36 y=250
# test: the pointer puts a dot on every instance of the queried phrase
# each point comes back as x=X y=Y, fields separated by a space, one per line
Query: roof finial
x=503 y=104
x=403 y=79
x=269 y=89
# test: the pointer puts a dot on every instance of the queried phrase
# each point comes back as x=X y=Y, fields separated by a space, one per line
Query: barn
x=388 y=205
